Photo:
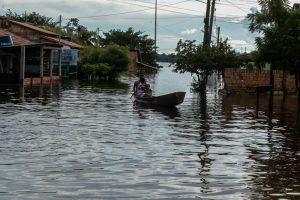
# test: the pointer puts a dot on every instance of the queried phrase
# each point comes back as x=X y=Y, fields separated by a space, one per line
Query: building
x=296 y=6
x=32 y=55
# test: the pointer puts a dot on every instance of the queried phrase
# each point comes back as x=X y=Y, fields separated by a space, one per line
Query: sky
x=176 y=19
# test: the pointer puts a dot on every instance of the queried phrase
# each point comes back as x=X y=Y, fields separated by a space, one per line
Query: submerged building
x=32 y=55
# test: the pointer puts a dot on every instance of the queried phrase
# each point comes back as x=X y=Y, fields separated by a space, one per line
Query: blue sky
x=177 y=19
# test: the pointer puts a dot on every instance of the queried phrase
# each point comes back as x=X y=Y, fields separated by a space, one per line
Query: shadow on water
x=170 y=112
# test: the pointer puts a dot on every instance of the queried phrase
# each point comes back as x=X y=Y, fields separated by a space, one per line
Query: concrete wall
x=243 y=80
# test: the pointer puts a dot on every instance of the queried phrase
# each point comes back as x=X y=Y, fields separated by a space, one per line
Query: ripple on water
x=92 y=142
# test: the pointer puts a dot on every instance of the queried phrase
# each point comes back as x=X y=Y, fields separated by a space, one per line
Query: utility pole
x=59 y=30
x=155 y=24
x=218 y=37
x=25 y=15
x=60 y=49
x=206 y=25
x=211 y=22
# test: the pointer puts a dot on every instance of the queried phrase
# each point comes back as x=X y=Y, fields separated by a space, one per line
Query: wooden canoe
x=167 y=100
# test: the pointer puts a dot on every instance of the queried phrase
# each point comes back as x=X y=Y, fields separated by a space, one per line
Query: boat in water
x=167 y=100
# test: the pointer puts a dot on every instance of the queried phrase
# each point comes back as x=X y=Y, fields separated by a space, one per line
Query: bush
x=110 y=61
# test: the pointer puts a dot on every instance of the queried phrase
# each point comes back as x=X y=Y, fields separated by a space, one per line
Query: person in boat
x=143 y=89
x=136 y=83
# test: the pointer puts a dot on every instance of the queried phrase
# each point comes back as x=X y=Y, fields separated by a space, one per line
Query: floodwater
x=91 y=141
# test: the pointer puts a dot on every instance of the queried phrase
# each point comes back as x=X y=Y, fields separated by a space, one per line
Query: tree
x=202 y=60
x=279 y=26
x=270 y=22
x=109 y=61
x=134 y=41
x=79 y=33
x=33 y=18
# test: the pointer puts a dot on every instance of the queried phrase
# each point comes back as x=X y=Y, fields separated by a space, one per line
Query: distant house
x=29 y=54
x=296 y=6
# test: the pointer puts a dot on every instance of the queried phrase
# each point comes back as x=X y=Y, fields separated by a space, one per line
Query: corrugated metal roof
x=17 y=40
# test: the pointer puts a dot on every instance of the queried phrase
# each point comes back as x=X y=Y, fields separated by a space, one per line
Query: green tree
x=201 y=60
x=134 y=41
x=33 y=18
x=270 y=21
x=110 y=61
x=79 y=33
x=279 y=27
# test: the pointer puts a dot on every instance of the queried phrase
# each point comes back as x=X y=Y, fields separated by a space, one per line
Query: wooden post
x=21 y=90
x=257 y=101
x=59 y=62
x=41 y=61
x=271 y=94
x=10 y=64
x=51 y=64
x=22 y=64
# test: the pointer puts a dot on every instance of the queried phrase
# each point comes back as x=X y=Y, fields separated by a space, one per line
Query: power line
x=146 y=8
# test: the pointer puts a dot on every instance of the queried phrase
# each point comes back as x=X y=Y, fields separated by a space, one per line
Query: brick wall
x=133 y=64
x=243 y=80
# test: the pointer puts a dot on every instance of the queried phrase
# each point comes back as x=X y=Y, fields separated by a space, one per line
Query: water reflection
x=169 y=112
x=91 y=141
x=20 y=93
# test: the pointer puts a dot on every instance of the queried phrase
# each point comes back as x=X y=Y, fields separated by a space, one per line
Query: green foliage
x=202 y=60
x=134 y=41
x=79 y=34
x=105 y=61
x=118 y=57
x=280 y=40
x=250 y=66
x=33 y=18
x=96 y=69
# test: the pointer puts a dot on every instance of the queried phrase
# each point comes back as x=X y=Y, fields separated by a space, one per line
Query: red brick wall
x=133 y=64
x=236 y=80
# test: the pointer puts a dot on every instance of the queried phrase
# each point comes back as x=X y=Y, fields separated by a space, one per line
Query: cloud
x=190 y=31
x=176 y=19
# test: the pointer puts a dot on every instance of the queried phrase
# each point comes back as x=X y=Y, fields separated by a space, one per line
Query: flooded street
x=91 y=141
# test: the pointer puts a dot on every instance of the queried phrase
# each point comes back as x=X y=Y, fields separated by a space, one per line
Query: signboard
x=68 y=57
x=6 y=41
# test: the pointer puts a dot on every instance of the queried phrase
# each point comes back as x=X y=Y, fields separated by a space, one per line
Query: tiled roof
x=35 y=28
x=64 y=42
x=17 y=40
x=47 y=37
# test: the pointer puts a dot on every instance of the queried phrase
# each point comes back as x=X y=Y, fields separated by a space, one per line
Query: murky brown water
x=84 y=141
